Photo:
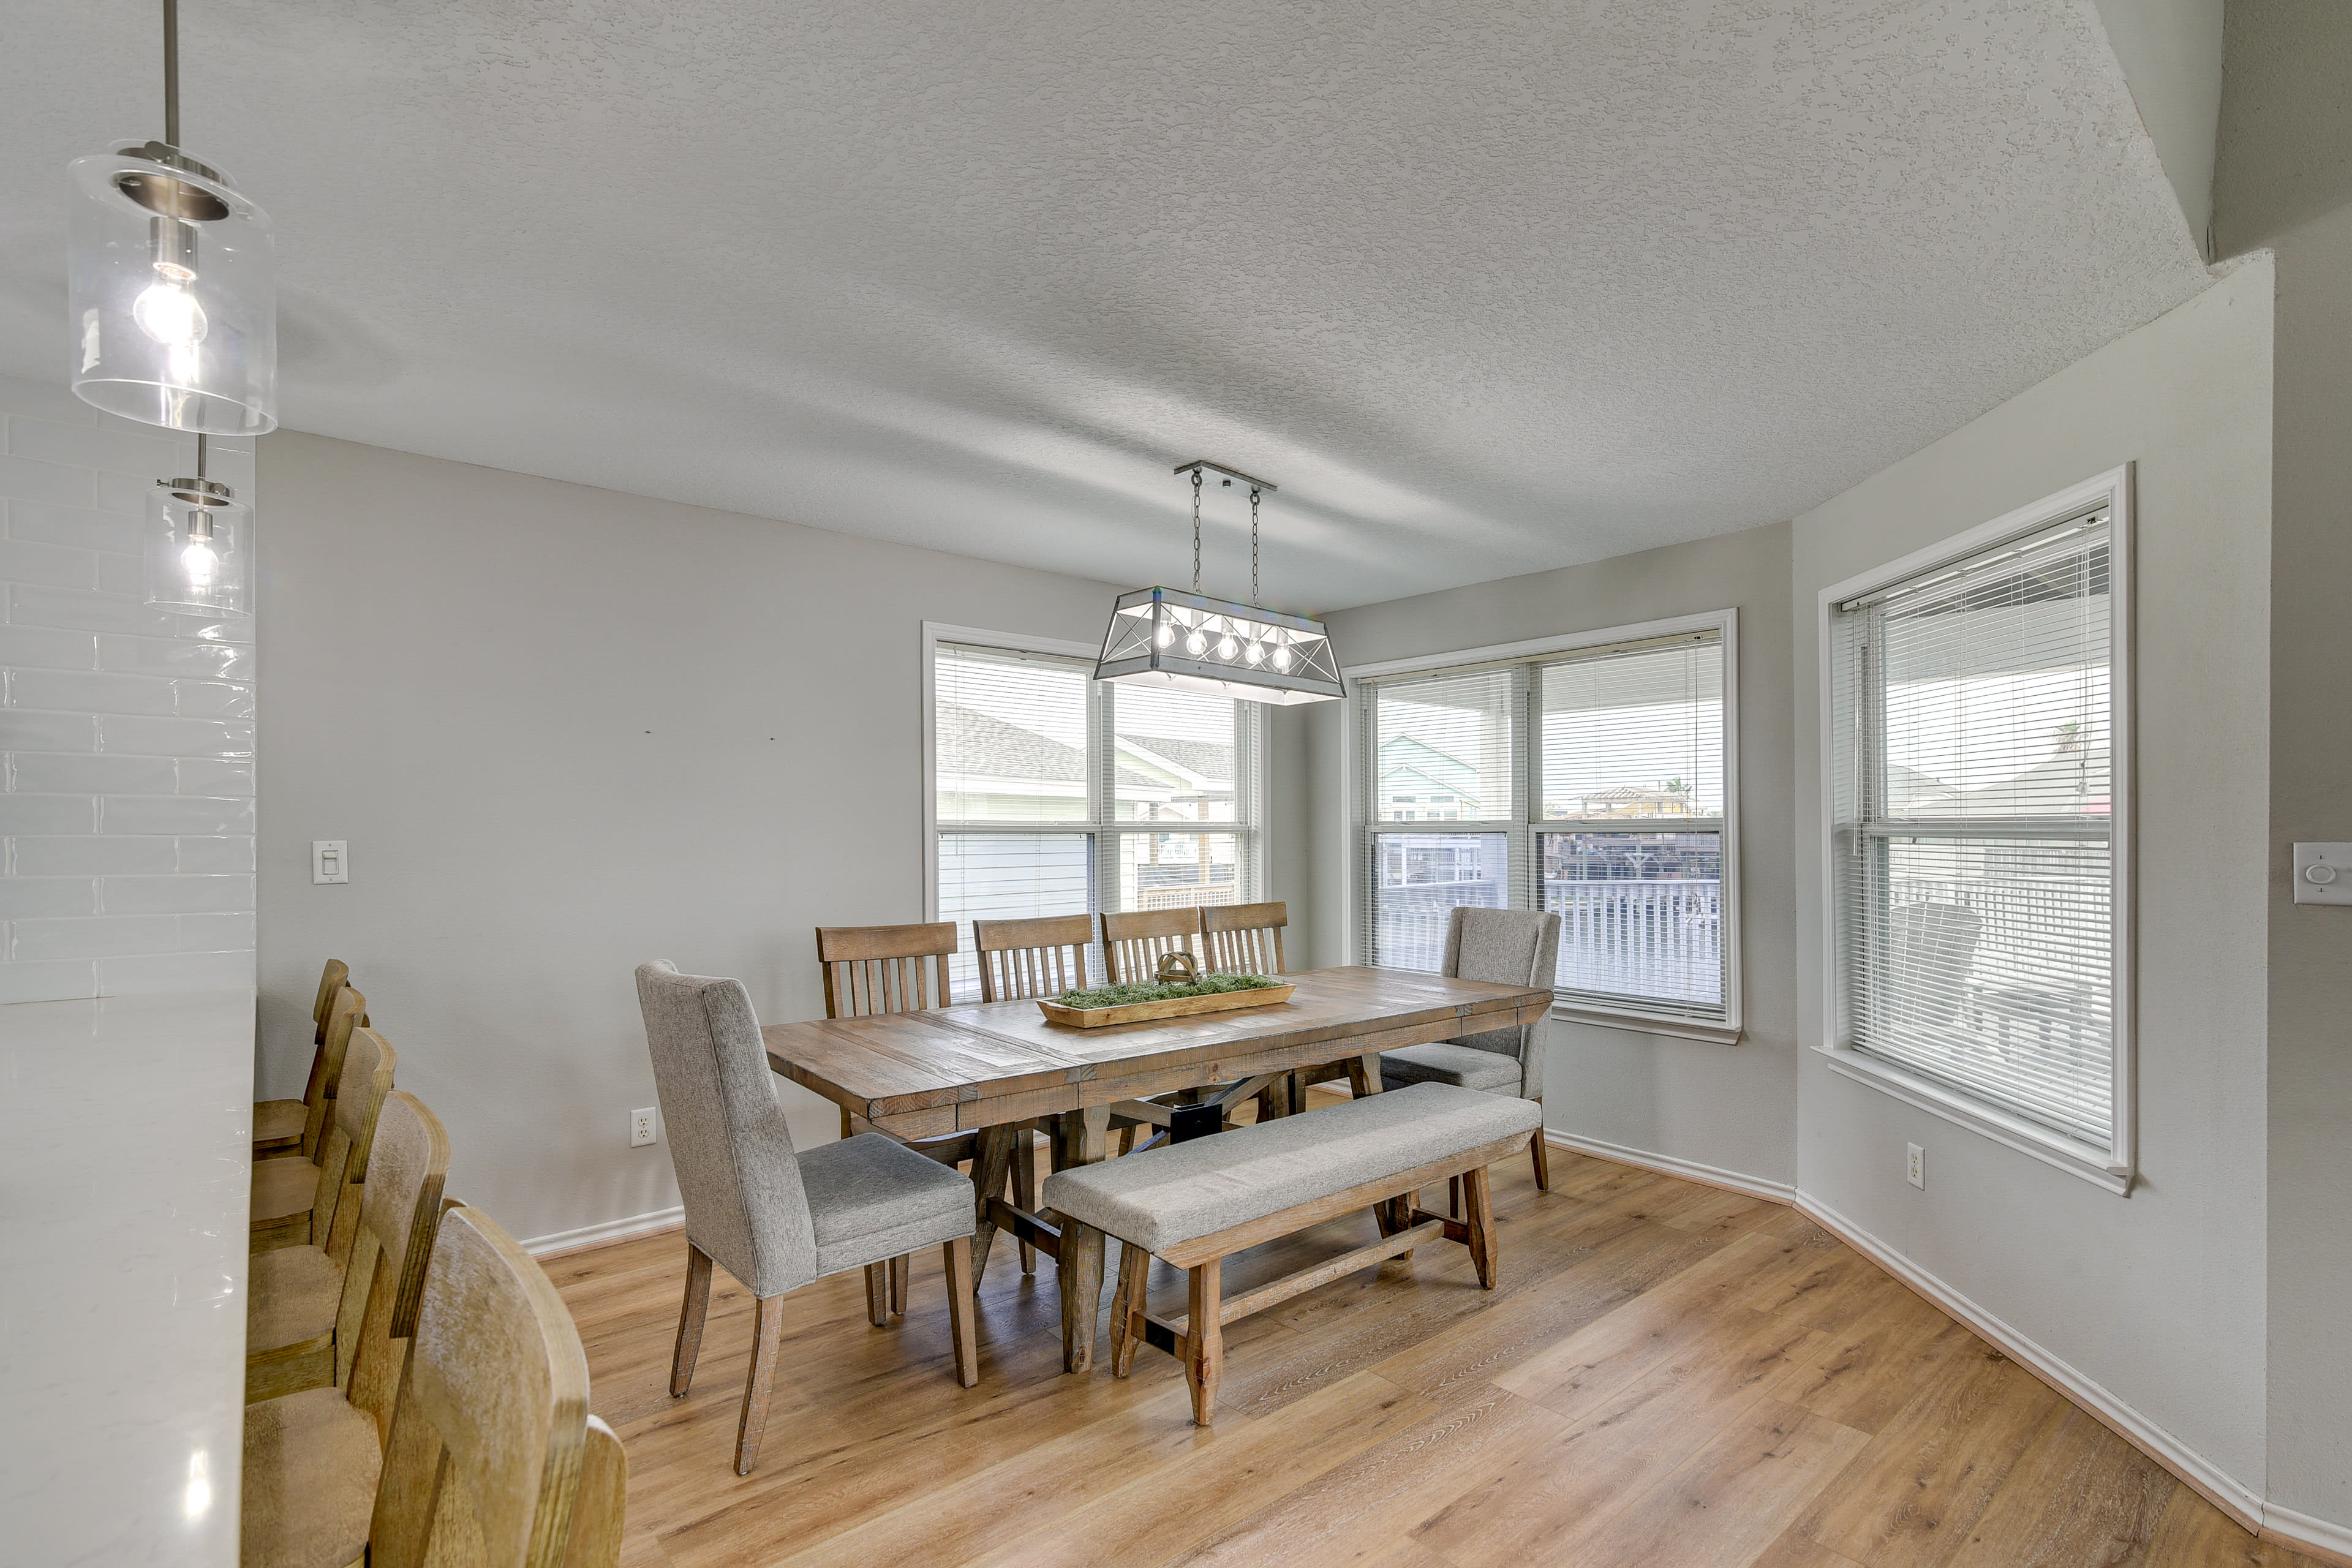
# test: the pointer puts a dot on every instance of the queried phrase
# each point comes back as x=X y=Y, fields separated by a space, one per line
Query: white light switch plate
x=331 y=860
x=2323 y=873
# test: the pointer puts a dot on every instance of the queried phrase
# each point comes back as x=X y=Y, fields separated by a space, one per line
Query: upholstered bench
x=1196 y=1203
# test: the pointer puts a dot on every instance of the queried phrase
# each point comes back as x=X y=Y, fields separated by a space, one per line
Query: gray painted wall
x=2310 y=945
x=2158 y=1297
x=2283 y=152
x=1729 y=1107
x=2170 y=51
x=567 y=730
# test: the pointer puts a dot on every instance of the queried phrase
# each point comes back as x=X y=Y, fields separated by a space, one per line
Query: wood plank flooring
x=1669 y=1375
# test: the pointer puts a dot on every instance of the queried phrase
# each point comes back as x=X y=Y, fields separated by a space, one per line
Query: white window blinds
x=1590 y=783
x=1974 y=862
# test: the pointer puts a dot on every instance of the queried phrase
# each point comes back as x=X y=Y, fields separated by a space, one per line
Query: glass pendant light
x=171 y=284
x=199 y=537
x=1165 y=636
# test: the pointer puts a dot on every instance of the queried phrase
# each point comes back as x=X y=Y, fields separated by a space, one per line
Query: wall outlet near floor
x=1914 y=1169
x=641 y=1127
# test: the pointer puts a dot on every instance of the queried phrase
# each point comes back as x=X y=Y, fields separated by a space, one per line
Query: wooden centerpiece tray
x=1171 y=1007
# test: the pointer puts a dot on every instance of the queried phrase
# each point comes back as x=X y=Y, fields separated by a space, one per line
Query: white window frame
x=1249 y=829
x=2118 y=1168
x=1726 y=624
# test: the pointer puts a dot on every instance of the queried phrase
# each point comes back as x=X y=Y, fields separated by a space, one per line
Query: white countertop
x=126 y=1153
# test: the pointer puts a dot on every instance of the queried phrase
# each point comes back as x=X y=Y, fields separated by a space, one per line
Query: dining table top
x=956 y=1069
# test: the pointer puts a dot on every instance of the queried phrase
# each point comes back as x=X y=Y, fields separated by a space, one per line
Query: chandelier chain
x=1252 y=547
x=1196 y=531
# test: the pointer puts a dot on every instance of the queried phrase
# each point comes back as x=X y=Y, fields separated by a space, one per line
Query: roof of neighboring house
x=972 y=744
x=1205 y=760
x=1407 y=751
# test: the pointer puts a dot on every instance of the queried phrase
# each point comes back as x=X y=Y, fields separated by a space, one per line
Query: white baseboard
x=1689 y=1170
x=611 y=1230
x=2302 y=1532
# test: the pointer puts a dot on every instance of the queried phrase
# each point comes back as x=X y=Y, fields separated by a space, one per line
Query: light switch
x=2323 y=873
x=331 y=860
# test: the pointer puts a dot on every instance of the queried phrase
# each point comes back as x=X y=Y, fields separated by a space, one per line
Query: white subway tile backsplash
x=172 y=895
x=67 y=772
x=25 y=479
x=22 y=896
x=50 y=565
x=209 y=775
x=74 y=691
x=159 y=656
x=57 y=980
x=211 y=855
x=127 y=815
x=30 y=604
x=214 y=699
x=47 y=647
x=99 y=856
x=201 y=816
x=175 y=737
x=81 y=526
x=24 y=732
x=47 y=813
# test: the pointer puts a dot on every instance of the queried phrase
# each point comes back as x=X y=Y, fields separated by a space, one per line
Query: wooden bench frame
x=1403 y=1226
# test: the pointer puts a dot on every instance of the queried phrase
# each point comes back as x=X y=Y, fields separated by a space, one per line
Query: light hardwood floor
x=1669 y=1375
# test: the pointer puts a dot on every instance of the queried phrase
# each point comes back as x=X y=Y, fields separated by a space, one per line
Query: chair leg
x=690 y=1315
x=961 y=1308
x=1484 y=1252
x=1024 y=1186
x=1453 y=1197
x=899 y=1287
x=1204 y=1340
x=1134 y=1278
x=877 y=1294
x=767 y=1342
x=1540 y=1153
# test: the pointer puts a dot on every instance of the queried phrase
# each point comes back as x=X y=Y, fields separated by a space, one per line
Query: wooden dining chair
x=294 y=1201
x=346 y=1010
x=487 y=1439
x=1019 y=960
x=774 y=1217
x=1134 y=942
x=278 y=1123
x=1245 y=938
x=306 y=1311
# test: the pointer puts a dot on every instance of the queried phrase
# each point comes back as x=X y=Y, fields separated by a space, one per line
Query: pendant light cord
x=1196 y=531
x=172 y=73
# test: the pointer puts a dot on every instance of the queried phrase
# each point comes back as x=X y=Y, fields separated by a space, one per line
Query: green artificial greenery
x=1128 y=996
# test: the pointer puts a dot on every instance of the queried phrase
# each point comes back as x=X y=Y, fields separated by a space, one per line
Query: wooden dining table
x=990 y=1067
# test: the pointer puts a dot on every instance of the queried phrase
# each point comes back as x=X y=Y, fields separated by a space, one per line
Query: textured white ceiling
x=1485 y=287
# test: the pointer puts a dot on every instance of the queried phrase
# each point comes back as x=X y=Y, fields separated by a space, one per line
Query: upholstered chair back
x=1508 y=947
x=745 y=1205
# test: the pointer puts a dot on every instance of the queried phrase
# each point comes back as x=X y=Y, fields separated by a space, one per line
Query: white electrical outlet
x=1915 y=1171
x=331 y=860
x=641 y=1127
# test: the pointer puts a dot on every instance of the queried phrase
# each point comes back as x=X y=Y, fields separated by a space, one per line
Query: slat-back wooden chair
x=1135 y=943
x=890 y=969
x=293 y=1202
x=1018 y=960
x=305 y=1315
x=278 y=1123
x=1245 y=938
x=346 y=1010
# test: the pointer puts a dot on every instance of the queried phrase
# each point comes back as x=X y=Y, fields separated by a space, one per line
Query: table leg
x=1364 y=1074
x=1081 y=1139
x=988 y=1173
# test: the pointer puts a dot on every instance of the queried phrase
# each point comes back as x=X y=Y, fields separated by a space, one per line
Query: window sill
x=2012 y=1131
x=1647 y=1024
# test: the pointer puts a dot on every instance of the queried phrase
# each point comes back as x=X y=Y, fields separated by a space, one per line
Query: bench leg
x=1204 y=1349
x=1453 y=1197
x=962 y=1308
x=899 y=1287
x=1484 y=1252
x=878 y=1295
x=1134 y=1279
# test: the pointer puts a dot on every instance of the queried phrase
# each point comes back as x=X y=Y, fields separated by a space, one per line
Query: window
x=1975 y=852
x=1586 y=778
x=1054 y=794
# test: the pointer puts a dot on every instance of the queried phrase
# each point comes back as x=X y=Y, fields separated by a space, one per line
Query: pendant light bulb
x=1165 y=636
x=1227 y=647
x=168 y=314
x=1196 y=644
x=1255 y=653
x=1282 y=656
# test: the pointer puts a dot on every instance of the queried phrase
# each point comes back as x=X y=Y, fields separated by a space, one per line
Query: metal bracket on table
x=1186 y=1122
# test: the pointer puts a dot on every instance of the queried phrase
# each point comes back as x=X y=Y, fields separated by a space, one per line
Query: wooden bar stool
x=294 y=1201
x=1018 y=960
x=278 y=1123
x=304 y=1309
x=476 y=1458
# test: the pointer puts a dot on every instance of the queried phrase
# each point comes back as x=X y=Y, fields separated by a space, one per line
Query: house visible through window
x=1058 y=794
x=1590 y=782
x=1974 y=854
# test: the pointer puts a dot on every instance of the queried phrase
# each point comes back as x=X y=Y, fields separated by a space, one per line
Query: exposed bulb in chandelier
x=1165 y=636
x=1282 y=656
x=1196 y=644
x=1227 y=647
x=1254 y=654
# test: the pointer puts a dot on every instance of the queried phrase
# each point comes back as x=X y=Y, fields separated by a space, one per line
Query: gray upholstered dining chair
x=772 y=1217
x=1510 y=947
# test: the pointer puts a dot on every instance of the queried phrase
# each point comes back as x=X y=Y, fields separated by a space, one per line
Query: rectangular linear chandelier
x=1166 y=637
